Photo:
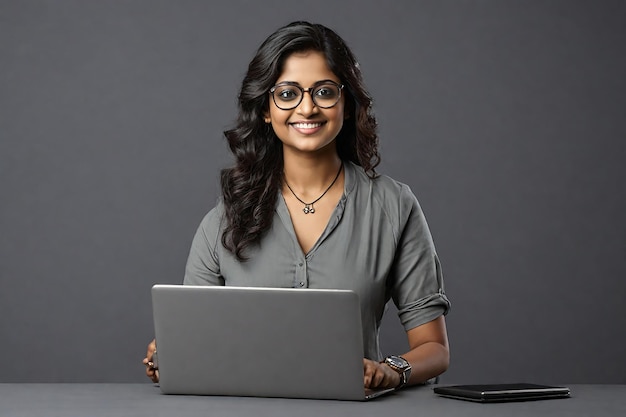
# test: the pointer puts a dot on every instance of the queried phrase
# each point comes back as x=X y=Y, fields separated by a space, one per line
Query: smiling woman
x=304 y=207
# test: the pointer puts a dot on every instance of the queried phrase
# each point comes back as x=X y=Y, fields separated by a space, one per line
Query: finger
x=151 y=349
x=150 y=369
x=153 y=374
x=377 y=378
x=382 y=375
x=369 y=370
x=367 y=374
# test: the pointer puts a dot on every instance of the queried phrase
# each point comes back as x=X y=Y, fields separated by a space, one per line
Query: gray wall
x=505 y=117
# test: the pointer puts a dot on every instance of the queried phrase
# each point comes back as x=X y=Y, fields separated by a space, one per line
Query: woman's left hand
x=379 y=375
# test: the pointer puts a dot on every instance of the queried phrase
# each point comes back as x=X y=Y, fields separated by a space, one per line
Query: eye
x=326 y=91
x=287 y=93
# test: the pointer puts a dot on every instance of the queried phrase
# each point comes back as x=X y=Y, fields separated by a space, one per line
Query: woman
x=304 y=207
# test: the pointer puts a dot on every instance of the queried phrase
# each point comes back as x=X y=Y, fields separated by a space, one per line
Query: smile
x=307 y=125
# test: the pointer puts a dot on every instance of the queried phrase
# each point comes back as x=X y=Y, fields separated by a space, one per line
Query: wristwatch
x=401 y=366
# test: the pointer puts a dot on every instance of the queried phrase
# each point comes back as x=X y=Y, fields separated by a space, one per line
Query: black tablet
x=502 y=392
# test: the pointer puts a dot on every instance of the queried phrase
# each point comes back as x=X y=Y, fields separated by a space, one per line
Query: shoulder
x=390 y=200
x=213 y=223
x=394 y=196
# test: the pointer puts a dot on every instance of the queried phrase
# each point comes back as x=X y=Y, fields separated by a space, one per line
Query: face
x=307 y=128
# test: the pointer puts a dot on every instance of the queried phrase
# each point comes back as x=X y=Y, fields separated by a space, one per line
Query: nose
x=307 y=106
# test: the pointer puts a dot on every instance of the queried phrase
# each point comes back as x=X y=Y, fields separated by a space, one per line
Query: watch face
x=397 y=362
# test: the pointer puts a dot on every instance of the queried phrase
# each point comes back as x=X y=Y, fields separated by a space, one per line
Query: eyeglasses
x=288 y=95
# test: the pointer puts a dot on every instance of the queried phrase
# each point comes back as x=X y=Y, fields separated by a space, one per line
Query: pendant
x=308 y=208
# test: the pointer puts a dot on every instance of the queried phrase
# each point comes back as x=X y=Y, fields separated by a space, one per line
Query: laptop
x=502 y=392
x=262 y=342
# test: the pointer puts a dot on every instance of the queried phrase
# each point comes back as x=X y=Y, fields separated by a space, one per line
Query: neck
x=310 y=176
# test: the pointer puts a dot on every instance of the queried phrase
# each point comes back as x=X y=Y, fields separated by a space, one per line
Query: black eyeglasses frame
x=306 y=90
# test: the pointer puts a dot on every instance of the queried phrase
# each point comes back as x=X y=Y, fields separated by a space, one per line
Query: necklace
x=308 y=207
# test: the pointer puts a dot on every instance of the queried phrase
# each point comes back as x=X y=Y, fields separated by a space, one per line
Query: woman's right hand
x=151 y=372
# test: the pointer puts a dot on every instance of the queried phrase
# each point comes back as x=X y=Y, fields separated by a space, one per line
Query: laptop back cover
x=268 y=342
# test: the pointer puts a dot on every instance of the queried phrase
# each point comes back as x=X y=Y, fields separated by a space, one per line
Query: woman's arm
x=429 y=357
x=416 y=284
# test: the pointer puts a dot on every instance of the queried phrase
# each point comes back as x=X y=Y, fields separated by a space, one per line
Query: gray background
x=505 y=117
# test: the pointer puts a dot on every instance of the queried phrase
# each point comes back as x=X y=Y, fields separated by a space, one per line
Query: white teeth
x=306 y=125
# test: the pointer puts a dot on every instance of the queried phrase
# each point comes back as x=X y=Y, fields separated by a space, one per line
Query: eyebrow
x=315 y=83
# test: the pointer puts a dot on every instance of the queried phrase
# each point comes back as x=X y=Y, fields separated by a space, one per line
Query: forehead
x=306 y=68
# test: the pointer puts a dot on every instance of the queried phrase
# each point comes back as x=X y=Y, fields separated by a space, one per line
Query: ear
x=266 y=117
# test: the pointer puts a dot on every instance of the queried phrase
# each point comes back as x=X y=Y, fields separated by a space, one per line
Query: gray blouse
x=376 y=243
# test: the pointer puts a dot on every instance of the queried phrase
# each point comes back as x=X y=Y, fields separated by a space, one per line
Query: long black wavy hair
x=250 y=188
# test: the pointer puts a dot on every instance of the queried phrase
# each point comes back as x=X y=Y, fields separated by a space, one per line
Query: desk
x=134 y=400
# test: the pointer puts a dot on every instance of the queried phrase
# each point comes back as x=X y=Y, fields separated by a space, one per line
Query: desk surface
x=133 y=400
